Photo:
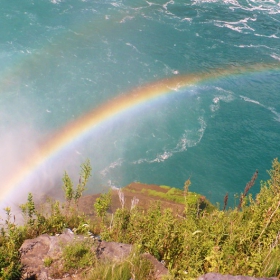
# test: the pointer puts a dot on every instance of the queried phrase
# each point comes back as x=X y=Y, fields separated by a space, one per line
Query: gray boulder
x=35 y=252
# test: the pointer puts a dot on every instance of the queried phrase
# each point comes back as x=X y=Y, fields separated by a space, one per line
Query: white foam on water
x=139 y=161
x=275 y=56
x=276 y=114
x=216 y=104
x=152 y=4
x=189 y=138
x=254 y=46
x=216 y=101
x=116 y=4
x=267 y=36
x=205 y=1
x=271 y=109
x=171 y=2
x=247 y=99
x=270 y=7
x=238 y=26
x=126 y=18
x=200 y=131
x=161 y=157
x=133 y=47
x=112 y=165
x=187 y=19
x=219 y=95
x=183 y=143
x=55 y=1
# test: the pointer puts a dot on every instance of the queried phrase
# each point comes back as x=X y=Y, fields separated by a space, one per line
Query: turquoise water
x=60 y=59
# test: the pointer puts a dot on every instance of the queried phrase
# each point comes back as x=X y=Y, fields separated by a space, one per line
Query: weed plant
x=133 y=267
x=78 y=255
x=243 y=240
x=52 y=217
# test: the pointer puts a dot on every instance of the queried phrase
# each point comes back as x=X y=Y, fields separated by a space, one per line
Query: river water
x=63 y=59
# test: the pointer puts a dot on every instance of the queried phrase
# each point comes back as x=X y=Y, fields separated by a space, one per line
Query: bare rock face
x=113 y=251
x=35 y=253
x=217 y=276
x=159 y=269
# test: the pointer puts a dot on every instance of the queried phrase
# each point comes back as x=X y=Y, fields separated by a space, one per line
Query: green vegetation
x=78 y=255
x=102 y=204
x=10 y=240
x=48 y=261
x=177 y=196
x=165 y=187
x=243 y=240
x=172 y=194
x=133 y=267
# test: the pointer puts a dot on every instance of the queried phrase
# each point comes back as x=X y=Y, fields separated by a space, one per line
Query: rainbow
x=76 y=129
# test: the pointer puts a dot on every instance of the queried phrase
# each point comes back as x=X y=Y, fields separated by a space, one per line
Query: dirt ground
x=132 y=190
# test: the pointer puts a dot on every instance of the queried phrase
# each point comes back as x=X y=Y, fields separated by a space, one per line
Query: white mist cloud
x=42 y=181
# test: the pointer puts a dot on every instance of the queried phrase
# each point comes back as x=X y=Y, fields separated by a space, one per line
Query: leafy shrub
x=11 y=238
x=243 y=240
x=51 y=218
x=102 y=204
x=48 y=261
x=133 y=267
x=78 y=255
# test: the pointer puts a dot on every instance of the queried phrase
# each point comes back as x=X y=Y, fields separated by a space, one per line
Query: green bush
x=102 y=204
x=243 y=240
x=51 y=218
x=78 y=255
x=11 y=238
x=133 y=267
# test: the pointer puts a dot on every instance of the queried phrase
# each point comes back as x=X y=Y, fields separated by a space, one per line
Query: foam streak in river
x=78 y=128
x=272 y=110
